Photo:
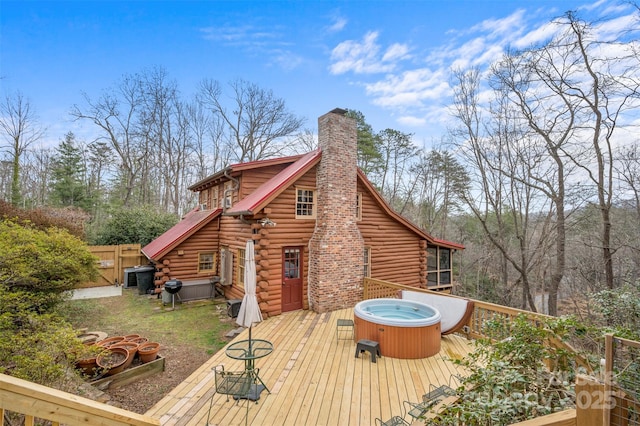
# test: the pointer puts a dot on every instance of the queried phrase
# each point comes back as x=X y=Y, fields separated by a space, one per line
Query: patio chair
x=231 y=382
x=393 y=421
x=429 y=399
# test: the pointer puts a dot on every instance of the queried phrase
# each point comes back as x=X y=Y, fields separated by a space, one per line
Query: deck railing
x=482 y=312
x=612 y=400
x=622 y=360
x=36 y=402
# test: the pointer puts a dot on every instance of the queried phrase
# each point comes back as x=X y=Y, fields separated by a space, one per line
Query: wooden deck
x=314 y=379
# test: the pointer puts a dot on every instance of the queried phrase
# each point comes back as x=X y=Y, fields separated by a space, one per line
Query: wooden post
x=589 y=401
x=608 y=378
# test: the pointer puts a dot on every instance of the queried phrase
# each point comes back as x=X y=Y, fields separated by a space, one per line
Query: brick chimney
x=336 y=248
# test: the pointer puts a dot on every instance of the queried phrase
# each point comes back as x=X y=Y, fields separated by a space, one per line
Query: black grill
x=173 y=286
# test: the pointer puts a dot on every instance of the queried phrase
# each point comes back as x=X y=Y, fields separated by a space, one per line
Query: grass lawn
x=197 y=324
x=188 y=335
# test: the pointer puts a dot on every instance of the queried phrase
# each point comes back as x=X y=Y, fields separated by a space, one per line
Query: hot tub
x=405 y=329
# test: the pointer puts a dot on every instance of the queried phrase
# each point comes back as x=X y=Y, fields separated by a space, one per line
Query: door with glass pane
x=291 y=278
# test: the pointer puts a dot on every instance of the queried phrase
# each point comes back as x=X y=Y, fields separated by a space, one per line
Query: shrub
x=36 y=347
x=139 y=225
x=43 y=262
x=69 y=218
x=37 y=267
x=514 y=378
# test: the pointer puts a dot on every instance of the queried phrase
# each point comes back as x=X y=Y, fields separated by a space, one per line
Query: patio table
x=248 y=351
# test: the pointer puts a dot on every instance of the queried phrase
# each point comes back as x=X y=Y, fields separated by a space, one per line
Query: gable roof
x=190 y=223
x=269 y=190
x=261 y=197
x=238 y=167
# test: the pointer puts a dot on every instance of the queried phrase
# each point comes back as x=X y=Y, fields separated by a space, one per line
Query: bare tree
x=116 y=114
x=20 y=129
x=206 y=131
x=257 y=122
x=602 y=89
x=504 y=195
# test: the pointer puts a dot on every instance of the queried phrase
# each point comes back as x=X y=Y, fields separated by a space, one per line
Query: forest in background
x=538 y=178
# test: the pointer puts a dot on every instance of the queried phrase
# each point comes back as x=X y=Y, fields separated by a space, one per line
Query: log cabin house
x=318 y=225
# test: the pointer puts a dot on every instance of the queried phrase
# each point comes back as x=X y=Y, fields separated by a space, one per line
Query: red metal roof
x=238 y=167
x=261 y=197
x=191 y=222
x=266 y=192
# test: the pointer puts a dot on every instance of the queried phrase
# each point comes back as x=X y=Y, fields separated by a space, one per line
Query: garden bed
x=130 y=375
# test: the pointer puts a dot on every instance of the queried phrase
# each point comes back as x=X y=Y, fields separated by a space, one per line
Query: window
x=206 y=262
x=204 y=196
x=214 y=198
x=240 y=278
x=305 y=203
x=291 y=263
x=359 y=206
x=438 y=267
x=367 y=262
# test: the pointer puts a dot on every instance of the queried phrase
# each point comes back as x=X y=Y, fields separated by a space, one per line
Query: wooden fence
x=34 y=401
x=113 y=260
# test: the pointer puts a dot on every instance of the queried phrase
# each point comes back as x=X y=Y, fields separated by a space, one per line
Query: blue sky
x=389 y=59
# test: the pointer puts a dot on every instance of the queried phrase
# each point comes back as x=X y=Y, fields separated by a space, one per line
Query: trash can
x=130 y=278
x=144 y=278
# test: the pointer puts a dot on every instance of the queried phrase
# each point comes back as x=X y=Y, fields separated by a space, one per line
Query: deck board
x=314 y=379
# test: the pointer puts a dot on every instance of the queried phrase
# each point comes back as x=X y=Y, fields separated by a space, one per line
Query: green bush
x=37 y=267
x=515 y=378
x=620 y=310
x=45 y=262
x=36 y=347
x=139 y=225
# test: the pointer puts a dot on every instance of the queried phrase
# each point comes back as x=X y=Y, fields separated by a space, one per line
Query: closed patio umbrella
x=249 y=312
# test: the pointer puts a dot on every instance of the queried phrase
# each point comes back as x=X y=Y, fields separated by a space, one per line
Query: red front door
x=291 y=278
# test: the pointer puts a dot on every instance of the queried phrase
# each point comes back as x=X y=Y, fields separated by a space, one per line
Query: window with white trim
x=305 y=203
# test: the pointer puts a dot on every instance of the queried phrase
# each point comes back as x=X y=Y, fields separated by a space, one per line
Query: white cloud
x=286 y=59
x=395 y=52
x=538 y=35
x=337 y=25
x=507 y=26
x=412 y=121
x=365 y=57
x=410 y=89
x=418 y=96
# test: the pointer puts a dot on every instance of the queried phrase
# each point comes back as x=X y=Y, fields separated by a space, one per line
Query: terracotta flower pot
x=148 y=351
x=87 y=366
x=129 y=337
x=131 y=347
x=110 y=341
x=113 y=361
x=139 y=340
